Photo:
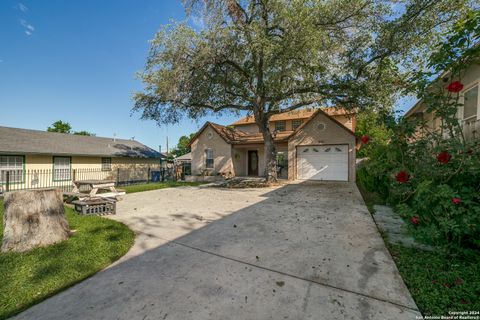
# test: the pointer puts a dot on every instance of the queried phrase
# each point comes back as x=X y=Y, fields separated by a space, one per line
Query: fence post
x=118 y=175
x=7 y=185
x=148 y=175
x=74 y=178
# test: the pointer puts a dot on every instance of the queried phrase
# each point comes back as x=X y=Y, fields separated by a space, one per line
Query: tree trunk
x=270 y=150
x=34 y=218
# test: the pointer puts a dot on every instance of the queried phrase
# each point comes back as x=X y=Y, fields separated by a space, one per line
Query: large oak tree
x=270 y=56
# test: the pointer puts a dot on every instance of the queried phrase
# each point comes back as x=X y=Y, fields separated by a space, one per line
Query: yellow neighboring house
x=468 y=114
x=33 y=159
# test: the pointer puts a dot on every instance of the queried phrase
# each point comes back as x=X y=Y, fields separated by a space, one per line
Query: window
x=296 y=123
x=14 y=166
x=106 y=164
x=61 y=168
x=279 y=125
x=470 y=103
x=209 y=158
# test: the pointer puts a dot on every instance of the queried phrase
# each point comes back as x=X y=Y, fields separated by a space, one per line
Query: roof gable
x=320 y=111
x=236 y=136
x=230 y=135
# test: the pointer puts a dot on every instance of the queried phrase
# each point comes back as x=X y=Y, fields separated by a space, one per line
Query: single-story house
x=312 y=144
x=186 y=158
x=183 y=162
x=468 y=113
x=30 y=155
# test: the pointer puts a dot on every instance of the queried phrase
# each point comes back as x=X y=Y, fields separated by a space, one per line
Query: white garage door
x=322 y=162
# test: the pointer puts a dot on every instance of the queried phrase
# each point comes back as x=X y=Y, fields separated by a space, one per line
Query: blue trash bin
x=155 y=176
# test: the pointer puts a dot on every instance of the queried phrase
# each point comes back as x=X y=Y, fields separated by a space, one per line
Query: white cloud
x=28 y=27
x=22 y=7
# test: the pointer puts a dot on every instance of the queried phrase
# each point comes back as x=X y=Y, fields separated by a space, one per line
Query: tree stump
x=33 y=218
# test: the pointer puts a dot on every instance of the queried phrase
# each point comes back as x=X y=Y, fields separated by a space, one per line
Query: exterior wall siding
x=45 y=162
x=250 y=128
x=239 y=156
x=470 y=77
x=311 y=135
x=130 y=169
x=222 y=153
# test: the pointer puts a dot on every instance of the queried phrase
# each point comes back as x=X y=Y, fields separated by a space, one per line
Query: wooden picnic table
x=96 y=185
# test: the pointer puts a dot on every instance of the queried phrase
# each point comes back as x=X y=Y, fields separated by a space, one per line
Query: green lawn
x=158 y=185
x=30 y=277
x=438 y=282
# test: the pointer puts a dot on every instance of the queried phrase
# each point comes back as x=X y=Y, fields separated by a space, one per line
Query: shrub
x=433 y=178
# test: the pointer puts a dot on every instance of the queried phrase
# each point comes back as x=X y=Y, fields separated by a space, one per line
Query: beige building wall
x=41 y=162
x=312 y=135
x=347 y=121
x=470 y=78
x=38 y=162
x=250 y=128
x=239 y=158
x=222 y=153
x=93 y=163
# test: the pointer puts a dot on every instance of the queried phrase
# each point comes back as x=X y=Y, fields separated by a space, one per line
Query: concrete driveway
x=301 y=251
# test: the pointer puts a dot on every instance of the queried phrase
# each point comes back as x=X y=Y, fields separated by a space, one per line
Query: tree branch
x=292 y=107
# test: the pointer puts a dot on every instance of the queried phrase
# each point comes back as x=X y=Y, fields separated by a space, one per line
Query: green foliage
x=160 y=185
x=65 y=127
x=439 y=283
x=28 y=278
x=272 y=56
x=84 y=133
x=182 y=145
x=267 y=57
x=60 y=126
x=442 y=193
x=374 y=125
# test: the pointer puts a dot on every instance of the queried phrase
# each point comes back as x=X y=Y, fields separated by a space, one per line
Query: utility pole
x=167 y=145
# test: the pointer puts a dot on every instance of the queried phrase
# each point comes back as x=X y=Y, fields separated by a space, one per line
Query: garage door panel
x=323 y=162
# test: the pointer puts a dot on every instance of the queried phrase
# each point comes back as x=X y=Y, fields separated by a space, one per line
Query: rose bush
x=433 y=183
x=432 y=175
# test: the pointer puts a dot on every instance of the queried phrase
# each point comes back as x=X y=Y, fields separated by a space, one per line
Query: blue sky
x=76 y=61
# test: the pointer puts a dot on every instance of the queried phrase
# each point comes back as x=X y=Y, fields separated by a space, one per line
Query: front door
x=252 y=163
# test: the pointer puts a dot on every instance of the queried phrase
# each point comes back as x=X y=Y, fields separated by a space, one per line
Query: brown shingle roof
x=26 y=141
x=227 y=133
x=258 y=137
x=296 y=114
x=233 y=135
